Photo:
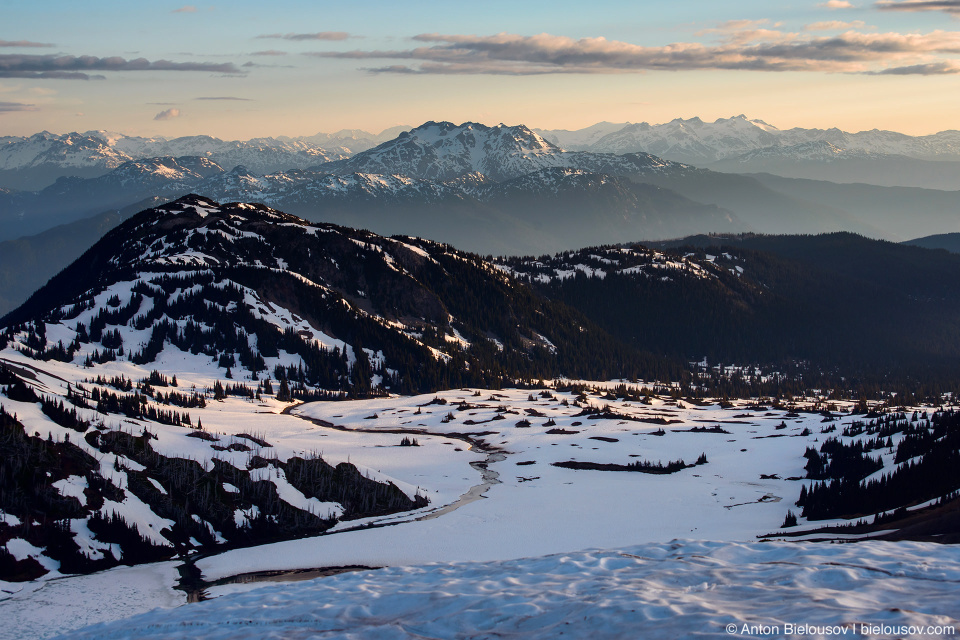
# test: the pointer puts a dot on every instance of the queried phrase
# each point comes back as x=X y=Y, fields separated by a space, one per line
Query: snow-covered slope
x=661 y=591
x=315 y=188
x=442 y=150
x=72 y=150
x=34 y=162
x=633 y=261
x=495 y=464
x=72 y=198
x=337 y=276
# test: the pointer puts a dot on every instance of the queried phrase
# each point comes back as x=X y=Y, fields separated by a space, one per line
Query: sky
x=247 y=69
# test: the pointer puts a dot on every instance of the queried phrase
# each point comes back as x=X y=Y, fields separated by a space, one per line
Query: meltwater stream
x=196 y=587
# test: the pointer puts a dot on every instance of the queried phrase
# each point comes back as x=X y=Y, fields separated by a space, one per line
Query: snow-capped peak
x=698 y=142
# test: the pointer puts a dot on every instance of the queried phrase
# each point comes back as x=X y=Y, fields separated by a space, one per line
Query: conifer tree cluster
x=226 y=504
x=927 y=461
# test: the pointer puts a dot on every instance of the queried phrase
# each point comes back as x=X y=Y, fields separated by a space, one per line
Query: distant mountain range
x=741 y=145
x=733 y=145
x=509 y=190
x=489 y=189
x=699 y=142
x=35 y=162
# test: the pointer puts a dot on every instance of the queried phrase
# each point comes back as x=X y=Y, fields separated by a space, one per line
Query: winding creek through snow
x=197 y=589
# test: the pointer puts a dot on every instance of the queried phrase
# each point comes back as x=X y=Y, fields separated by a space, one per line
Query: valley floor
x=484 y=458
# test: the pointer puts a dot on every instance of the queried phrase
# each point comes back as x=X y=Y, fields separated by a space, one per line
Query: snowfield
x=499 y=549
x=678 y=589
x=535 y=508
x=46 y=608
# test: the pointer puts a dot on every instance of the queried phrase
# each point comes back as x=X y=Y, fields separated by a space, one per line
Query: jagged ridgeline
x=316 y=307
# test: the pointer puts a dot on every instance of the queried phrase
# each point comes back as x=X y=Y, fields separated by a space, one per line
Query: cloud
x=187 y=8
x=509 y=54
x=735 y=25
x=223 y=98
x=949 y=6
x=836 y=4
x=23 y=43
x=252 y=65
x=835 y=25
x=269 y=52
x=744 y=31
x=76 y=67
x=169 y=114
x=323 y=35
x=6 y=107
x=930 y=69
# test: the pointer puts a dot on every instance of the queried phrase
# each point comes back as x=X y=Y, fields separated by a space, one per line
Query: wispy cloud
x=930 y=69
x=949 y=6
x=187 y=8
x=223 y=98
x=6 y=107
x=835 y=25
x=168 y=114
x=322 y=35
x=254 y=65
x=23 y=43
x=269 y=52
x=836 y=4
x=77 y=67
x=509 y=54
x=735 y=25
x=745 y=31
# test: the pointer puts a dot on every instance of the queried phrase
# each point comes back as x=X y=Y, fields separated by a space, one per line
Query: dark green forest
x=834 y=310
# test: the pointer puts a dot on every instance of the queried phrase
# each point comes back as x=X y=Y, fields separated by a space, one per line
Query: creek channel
x=191 y=579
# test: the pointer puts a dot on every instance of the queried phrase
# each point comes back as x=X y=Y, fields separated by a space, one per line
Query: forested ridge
x=835 y=310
